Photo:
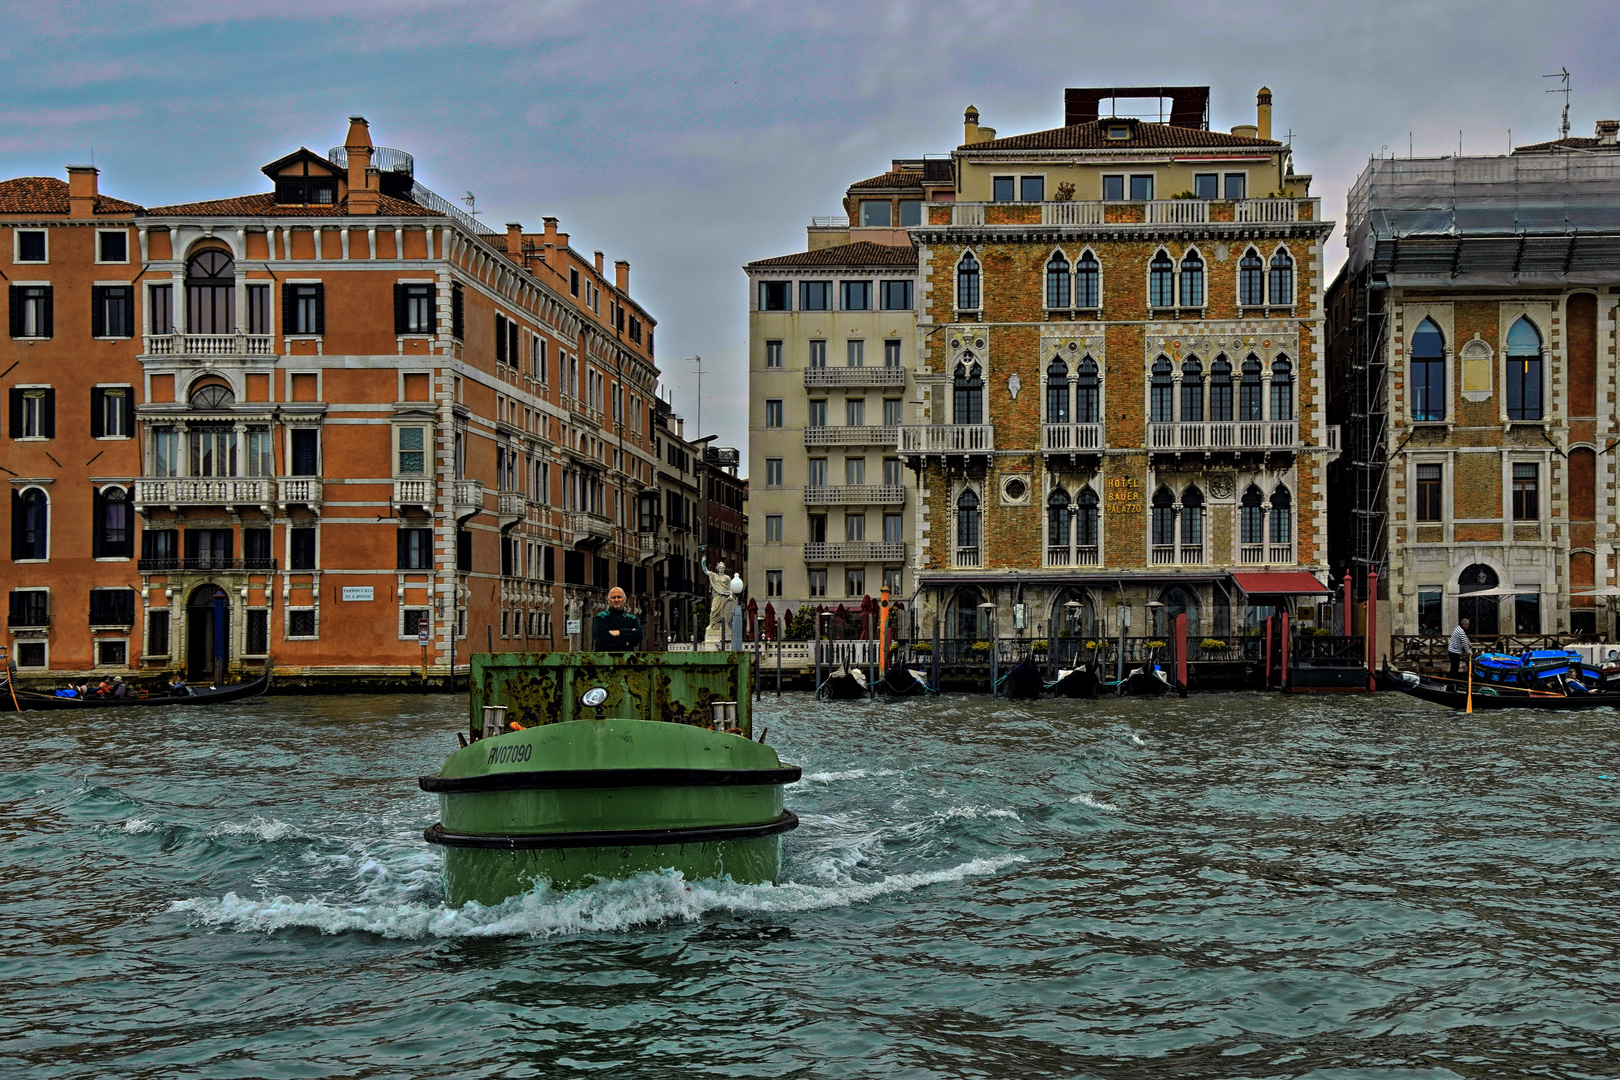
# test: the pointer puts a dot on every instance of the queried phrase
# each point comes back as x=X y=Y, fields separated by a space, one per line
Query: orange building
x=338 y=423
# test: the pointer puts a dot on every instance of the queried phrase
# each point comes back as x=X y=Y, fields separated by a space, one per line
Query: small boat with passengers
x=15 y=699
x=1486 y=695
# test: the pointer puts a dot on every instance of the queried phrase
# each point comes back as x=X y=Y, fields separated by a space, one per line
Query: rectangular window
x=412 y=451
x=773 y=412
x=818 y=354
x=774 y=295
x=301 y=549
x=815 y=471
x=112 y=654
x=773 y=354
x=415 y=309
x=256 y=553
x=30 y=654
x=300 y=622
x=30 y=608
x=876 y=215
x=1526 y=501
x=304 y=308
x=893 y=528
x=31 y=246
x=773 y=583
x=817 y=582
x=855 y=527
x=855 y=353
x=855 y=412
x=892 y=412
x=458 y=312
x=1113 y=188
x=573 y=281
x=773 y=528
x=855 y=470
x=112 y=412
x=1001 y=188
x=306 y=451
x=112 y=607
x=257 y=639
x=857 y=295
x=415 y=549
x=157 y=632
x=1527 y=613
x=817 y=526
x=896 y=295
x=635 y=330
x=1032 y=189
x=541 y=362
x=893 y=472
x=891 y=354
x=891 y=581
x=1237 y=186
x=161 y=298
x=33 y=412
x=815 y=296
x=418 y=619
x=773 y=472
x=258 y=301
x=31 y=311
x=1206 y=185
x=209 y=549
x=161 y=547
x=1141 y=188
x=1429 y=612
x=855 y=582
x=1428 y=492
x=112 y=311
x=817 y=413
x=910 y=213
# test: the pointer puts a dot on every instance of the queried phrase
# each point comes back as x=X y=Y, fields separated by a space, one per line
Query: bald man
x=616 y=630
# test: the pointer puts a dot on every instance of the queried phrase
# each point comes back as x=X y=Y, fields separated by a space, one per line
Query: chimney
x=621 y=276
x=82 y=190
x=600 y=259
x=1606 y=132
x=514 y=238
x=362 y=178
x=1263 y=112
x=551 y=230
x=970 y=126
x=562 y=239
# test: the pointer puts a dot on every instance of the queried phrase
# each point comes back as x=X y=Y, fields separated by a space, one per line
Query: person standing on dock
x=616 y=630
x=1459 y=646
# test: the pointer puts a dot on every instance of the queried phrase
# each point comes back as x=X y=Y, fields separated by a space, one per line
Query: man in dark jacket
x=616 y=629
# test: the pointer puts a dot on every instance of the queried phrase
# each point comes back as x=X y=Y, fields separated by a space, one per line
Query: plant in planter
x=1212 y=643
x=1154 y=644
x=922 y=646
x=1039 y=646
x=980 y=646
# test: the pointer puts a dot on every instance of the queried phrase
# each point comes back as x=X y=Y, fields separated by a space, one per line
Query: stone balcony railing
x=466 y=497
x=1071 y=438
x=851 y=435
x=855 y=551
x=652 y=545
x=589 y=530
x=512 y=506
x=177 y=491
x=418 y=493
x=1139 y=212
x=854 y=495
x=1227 y=435
x=853 y=376
x=947 y=439
x=300 y=491
x=210 y=345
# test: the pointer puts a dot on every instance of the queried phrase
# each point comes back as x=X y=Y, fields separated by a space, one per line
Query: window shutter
x=403 y=536
x=16 y=310
x=512 y=351
x=320 y=309
x=98 y=311
x=289 y=308
x=98 y=406
x=458 y=317
x=16 y=412
x=47 y=316
x=16 y=607
x=193 y=543
x=126 y=409
x=126 y=301
x=400 y=324
x=500 y=339
x=16 y=525
x=47 y=415
x=433 y=310
x=98 y=524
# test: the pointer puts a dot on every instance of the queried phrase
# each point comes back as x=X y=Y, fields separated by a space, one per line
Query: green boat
x=590 y=766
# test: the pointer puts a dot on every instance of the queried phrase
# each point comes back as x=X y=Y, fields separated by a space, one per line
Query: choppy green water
x=1232 y=885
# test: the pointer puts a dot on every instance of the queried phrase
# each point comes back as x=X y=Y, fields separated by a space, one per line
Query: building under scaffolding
x=1471 y=334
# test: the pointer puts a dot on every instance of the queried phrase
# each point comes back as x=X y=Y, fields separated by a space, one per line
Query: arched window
x=1192 y=390
x=1282 y=516
x=1057 y=523
x=968 y=400
x=1482 y=612
x=967 y=283
x=1192 y=517
x=962 y=615
x=1163 y=392
x=1087 y=393
x=1192 y=280
x=1282 y=389
x=1161 y=281
x=212 y=396
x=1164 y=517
x=1085 y=521
x=1057 y=281
x=967 y=528
x=1251 y=279
x=1220 y=389
x=110 y=529
x=211 y=293
x=1523 y=371
x=1057 y=392
x=1282 y=278
x=30 y=524
x=1428 y=353
x=1087 y=281
x=1249 y=389
x=1252 y=517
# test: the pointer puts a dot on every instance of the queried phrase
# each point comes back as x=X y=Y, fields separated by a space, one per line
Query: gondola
x=1456 y=695
x=904 y=682
x=844 y=684
x=30 y=701
x=1023 y=680
x=1080 y=682
x=1148 y=679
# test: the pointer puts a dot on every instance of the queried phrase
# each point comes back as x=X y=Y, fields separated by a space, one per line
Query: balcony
x=853 y=376
x=948 y=440
x=466 y=498
x=589 y=530
x=967 y=558
x=1266 y=554
x=863 y=435
x=211 y=346
x=177 y=491
x=653 y=546
x=855 y=551
x=1235 y=437
x=1140 y=212
x=1177 y=555
x=415 y=495
x=854 y=495
x=1074 y=439
x=511 y=508
x=205 y=564
x=300 y=491
x=1087 y=555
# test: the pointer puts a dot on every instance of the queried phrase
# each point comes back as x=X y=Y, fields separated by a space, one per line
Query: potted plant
x=980 y=647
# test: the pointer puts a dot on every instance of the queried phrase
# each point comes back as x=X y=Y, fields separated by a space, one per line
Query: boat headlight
x=594 y=697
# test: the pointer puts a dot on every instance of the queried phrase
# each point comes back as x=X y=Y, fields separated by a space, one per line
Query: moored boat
x=844 y=684
x=1148 y=679
x=1486 y=696
x=16 y=700
x=904 y=682
x=1022 y=680
x=606 y=765
x=1081 y=682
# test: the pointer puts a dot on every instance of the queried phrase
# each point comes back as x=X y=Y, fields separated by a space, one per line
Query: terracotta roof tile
x=891 y=180
x=1090 y=136
x=863 y=253
x=1574 y=143
x=264 y=205
x=48 y=195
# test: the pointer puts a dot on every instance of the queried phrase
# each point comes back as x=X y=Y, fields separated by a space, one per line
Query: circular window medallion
x=1014 y=490
x=1074 y=346
x=978 y=343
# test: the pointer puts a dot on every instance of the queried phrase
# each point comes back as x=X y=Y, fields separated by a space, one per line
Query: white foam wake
x=609 y=906
x=1085 y=799
x=262 y=828
x=848 y=774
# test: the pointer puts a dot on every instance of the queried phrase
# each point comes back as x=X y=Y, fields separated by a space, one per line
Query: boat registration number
x=500 y=755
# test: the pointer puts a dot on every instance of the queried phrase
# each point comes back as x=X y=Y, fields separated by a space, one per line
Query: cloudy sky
x=690 y=138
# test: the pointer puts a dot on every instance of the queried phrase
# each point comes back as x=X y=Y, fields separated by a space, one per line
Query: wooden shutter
x=126 y=409
x=458 y=317
x=433 y=310
x=126 y=300
x=401 y=323
x=98 y=524
x=47 y=314
x=16 y=310
x=17 y=526
x=47 y=414
x=98 y=406
x=98 y=311
x=404 y=539
x=16 y=412
x=289 y=308
x=320 y=309
x=512 y=351
x=500 y=339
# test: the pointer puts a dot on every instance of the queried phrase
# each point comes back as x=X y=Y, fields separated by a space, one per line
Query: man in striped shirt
x=1458 y=647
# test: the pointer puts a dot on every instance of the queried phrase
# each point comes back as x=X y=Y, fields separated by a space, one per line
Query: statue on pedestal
x=720 y=599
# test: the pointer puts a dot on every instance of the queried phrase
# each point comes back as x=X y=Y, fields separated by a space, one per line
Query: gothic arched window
x=1161 y=281
x=1057 y=281
x=1087 y=393
x=1282 y=389
x=1087 y=281
x=968 y=399
x=1057 y=392
x=1192 y=280
x=1057 y=519
x=1251 y=279
x=1164 y=517
x=1252 y=517
x=1282 y=278
x=1085 y=522
x=1220 y=389
x=1282 y=516
x=1523 y=371
x=967 y=283
x=1428 y=354
x=1162 y=392
x=1249 y=389
x=1192 y=516
x=1192 y=390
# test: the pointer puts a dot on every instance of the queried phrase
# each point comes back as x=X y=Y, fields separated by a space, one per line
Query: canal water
x=1228 y=886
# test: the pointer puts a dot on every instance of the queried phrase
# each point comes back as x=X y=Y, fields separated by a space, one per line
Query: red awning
x=1279 y=583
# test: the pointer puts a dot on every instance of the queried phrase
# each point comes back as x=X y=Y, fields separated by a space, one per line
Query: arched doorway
x=962 y=621
x=207 y=631
x=1480 y=611
x=1177 y=600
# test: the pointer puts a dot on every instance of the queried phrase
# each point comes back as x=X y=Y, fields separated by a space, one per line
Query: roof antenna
x=472 y=203
x=1563 y=75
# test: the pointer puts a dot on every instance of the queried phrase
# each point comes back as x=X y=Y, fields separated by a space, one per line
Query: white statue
x=720 y=598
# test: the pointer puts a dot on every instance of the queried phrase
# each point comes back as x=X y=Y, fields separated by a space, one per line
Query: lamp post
x=817 y=645
x=1071 y=617
x=1119 y=658
x=736 y=612
x=989 y=612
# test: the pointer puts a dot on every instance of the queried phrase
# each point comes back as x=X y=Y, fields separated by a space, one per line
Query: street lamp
x=736 y=611
x=988 y=610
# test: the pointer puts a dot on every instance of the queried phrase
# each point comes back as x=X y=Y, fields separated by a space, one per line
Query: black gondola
x=1081 y=682
x=904 y=682
x=1023 y=680
x=844 y=684
x=30 y=701
x=1148 y=679
x=1488 y=697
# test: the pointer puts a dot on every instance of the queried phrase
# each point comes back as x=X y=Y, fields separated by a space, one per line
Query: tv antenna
x=1563 y=75
x=472 y=203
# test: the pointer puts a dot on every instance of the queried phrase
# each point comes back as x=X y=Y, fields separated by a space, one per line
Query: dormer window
x=1119 y=131
x=306 y=190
